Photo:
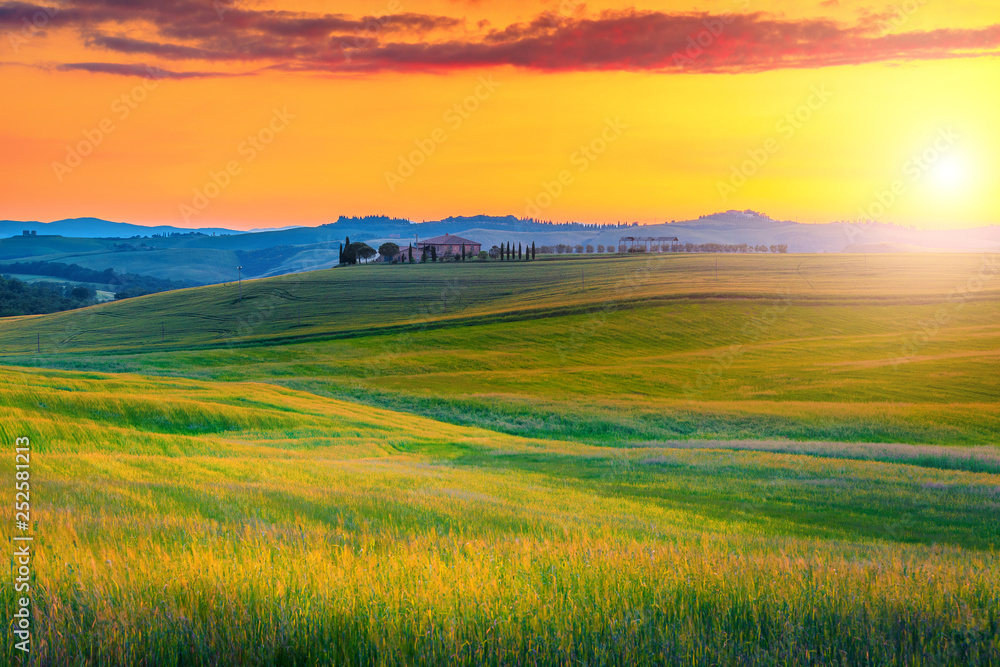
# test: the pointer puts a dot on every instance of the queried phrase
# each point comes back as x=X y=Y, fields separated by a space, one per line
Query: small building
x=29 y=232
x=447 y=246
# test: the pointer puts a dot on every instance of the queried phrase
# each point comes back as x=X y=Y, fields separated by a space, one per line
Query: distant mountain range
x=94 y=228
x=98 y=228
x=210 y=255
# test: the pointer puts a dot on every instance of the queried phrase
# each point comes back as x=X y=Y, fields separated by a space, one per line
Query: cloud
x=170 y=51
x=654 y=41
x=215 y=33
x=145 y=71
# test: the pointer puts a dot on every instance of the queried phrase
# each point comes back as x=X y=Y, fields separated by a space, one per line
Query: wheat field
x=481 y=493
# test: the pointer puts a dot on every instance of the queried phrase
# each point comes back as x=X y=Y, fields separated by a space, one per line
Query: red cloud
x=627 y=40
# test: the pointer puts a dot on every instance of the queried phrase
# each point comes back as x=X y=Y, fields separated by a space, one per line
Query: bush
x=483 y=255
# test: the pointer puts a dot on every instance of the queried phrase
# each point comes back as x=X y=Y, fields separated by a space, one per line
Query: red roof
x=448 y=239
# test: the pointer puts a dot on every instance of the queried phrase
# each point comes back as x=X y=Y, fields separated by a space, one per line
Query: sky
x=255 y=114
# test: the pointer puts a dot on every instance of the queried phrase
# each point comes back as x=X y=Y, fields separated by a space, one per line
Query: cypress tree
x=463 y=252
x=341 y=261
x=409 y=251
x=434 y=253
x=519 y=251
x=532 y=250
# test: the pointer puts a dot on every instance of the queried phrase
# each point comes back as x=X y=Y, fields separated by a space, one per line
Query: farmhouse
x=449 y=246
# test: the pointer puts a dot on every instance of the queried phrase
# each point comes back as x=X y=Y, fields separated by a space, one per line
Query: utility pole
x=239 y=280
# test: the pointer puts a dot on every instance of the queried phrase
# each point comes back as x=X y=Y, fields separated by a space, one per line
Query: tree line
x=127 y=284
x=351 y=253
x=564 y=248
x=20 y=298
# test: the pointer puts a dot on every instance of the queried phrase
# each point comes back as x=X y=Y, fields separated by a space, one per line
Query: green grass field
x=603 y=461
x=601 y=350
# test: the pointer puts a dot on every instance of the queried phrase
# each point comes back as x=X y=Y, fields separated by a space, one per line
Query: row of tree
x=563 y=248
x=125 y=285
x=351 y=253
x=579 y=248
x=505 y=252
x=719 y=247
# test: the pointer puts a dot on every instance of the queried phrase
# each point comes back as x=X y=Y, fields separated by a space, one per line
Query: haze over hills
x=211 y=255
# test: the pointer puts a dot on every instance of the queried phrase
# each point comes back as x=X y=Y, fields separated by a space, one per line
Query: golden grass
x=293 y=529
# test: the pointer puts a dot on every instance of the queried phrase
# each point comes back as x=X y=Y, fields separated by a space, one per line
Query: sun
x=950 y=173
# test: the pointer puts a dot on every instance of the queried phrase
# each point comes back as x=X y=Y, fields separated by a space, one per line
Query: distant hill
x=97 y=228
x=211 y=255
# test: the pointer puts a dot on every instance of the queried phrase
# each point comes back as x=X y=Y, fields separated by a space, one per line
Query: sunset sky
x=260 y=114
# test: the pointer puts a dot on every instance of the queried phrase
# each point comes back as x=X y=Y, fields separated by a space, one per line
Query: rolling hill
x=627 y=460
x=642 y=348
x=211 y=255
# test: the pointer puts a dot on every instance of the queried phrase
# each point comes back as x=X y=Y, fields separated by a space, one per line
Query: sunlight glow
x=950 y=173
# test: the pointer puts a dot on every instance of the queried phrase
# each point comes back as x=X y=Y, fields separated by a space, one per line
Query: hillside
x=643 y=349
x=494 y=463
x=211 y=256
x=600 y=461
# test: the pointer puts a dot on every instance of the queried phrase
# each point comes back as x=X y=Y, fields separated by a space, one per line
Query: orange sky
x=270 y=114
